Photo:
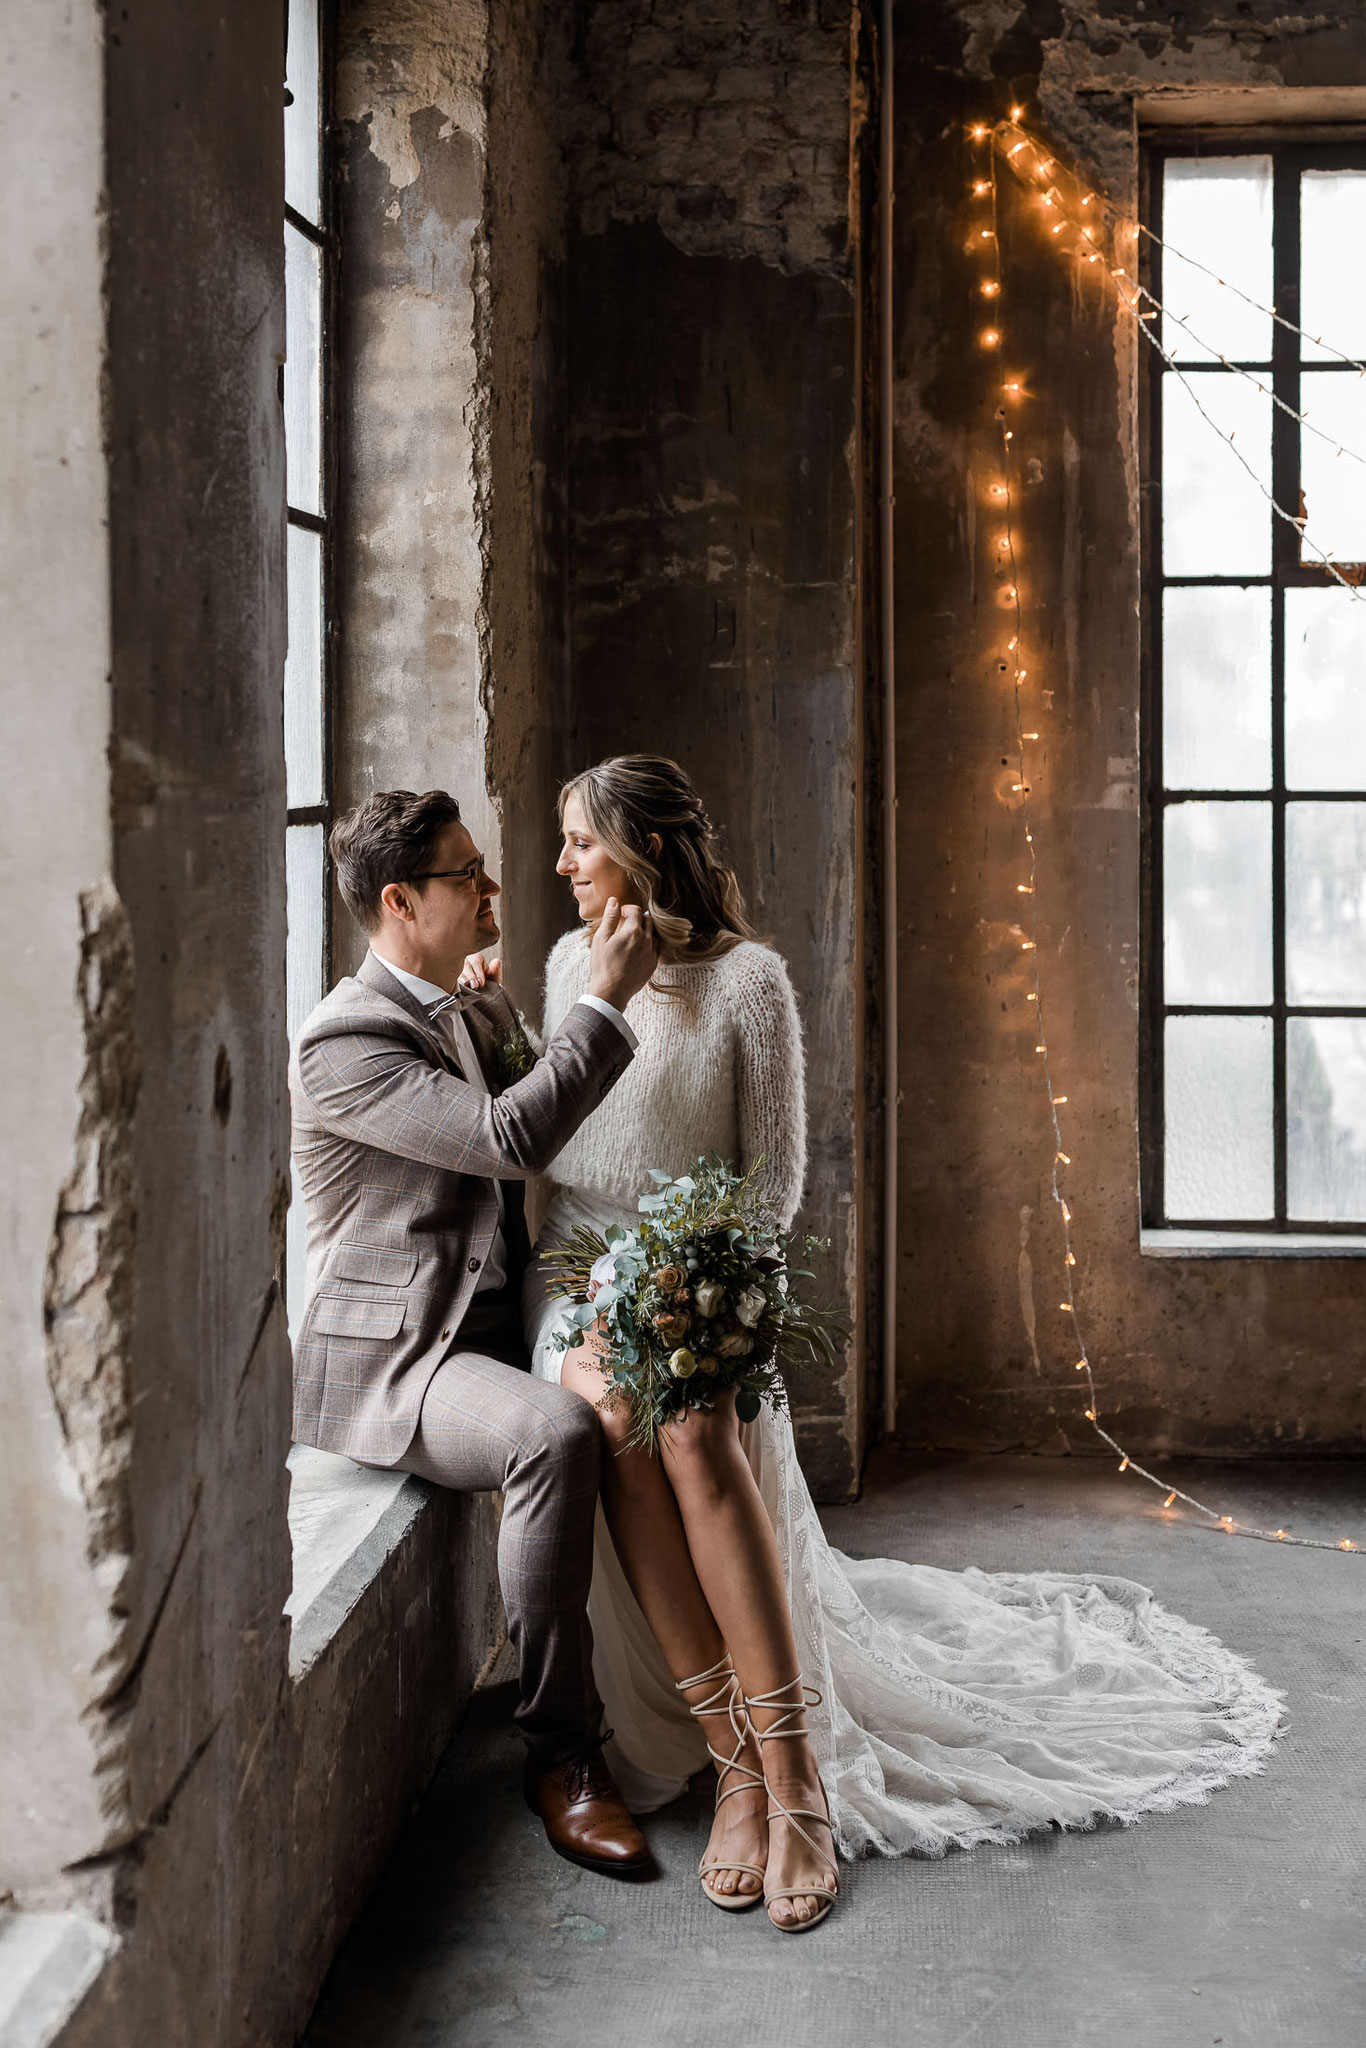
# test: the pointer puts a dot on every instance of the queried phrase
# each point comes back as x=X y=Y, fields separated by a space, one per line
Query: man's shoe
x=585 y=1818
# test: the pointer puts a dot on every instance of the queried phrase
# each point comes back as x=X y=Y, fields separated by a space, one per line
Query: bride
x=858 y=1705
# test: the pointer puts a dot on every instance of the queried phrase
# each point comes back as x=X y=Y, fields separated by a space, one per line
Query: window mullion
x=1285 y=484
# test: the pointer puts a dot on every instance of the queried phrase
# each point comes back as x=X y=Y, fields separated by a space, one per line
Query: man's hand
x=624 y=953
x=479 y=968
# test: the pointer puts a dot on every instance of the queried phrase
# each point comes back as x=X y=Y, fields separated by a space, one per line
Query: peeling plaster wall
x=414 y=413
x=714 y=359
x=1227 y=1355
x=62 y=1446
x=451 y=584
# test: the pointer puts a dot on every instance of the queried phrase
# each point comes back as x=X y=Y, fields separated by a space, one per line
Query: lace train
x=958 y=1707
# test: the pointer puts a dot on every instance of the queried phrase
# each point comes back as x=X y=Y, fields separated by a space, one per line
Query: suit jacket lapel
x=375 y=976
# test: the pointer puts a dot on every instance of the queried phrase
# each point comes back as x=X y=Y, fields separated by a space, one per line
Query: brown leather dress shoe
x=585 y=1818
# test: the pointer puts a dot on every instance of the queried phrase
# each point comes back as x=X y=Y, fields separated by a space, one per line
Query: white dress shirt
x=495 y=1273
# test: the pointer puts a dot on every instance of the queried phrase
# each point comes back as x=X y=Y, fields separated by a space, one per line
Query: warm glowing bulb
x=1012 y=645
x=1016 y=113
x=1124 y=1464
x=1168 y=1501
x=1081 y=1365
x=1010 y=387
x=1066 y=1213
x=1090 y=1415
x=1071 y=1259
x=1056 y=1100
x=998 y=491
x=1057 y=227
x=990 y=288
x=978 y=133
x=1041 y=1048
x=1227 y=1521
x=990 y=337
x=1034 y=736
x=1346 y=1544
x=1066 y=1308
x=986 y=234
x=1031 y=998
x=1065 y=1158
x=1024 y=889
x=1280 y=1535
x=1087 y=200
x=980 y=187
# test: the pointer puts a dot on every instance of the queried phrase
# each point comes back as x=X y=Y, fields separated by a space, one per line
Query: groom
x=418 y=1113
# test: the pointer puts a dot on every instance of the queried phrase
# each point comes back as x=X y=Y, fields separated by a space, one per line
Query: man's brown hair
x=388 y=838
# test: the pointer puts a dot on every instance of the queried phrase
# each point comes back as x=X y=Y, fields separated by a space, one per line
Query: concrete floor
x=1240 y=1923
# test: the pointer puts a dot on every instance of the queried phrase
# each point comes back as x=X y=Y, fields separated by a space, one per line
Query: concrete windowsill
x=345 y=1522
x=1245 y=1244
x=48 y=1961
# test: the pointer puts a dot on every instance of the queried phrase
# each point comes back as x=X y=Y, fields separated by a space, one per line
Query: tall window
x=309 y=268
x=1255 y=696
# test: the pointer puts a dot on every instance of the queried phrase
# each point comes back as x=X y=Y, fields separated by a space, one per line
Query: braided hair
x=693 y=898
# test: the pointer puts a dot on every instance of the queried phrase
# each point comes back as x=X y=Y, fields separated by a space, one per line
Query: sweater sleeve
x=770 y=1077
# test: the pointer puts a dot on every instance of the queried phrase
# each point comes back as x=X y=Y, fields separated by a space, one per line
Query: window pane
x=1217 y=211
x=304 y=912
x=1219 y=1150
x=303 y=117
x=1334 y=485
x=1215 y=520
x=1326 y=1119
x=1325 y=689
x=1216 y=689
x=1332 y=279
x=303 y=371
x=1216 y=881
x=1325 y=903
x=304 y=670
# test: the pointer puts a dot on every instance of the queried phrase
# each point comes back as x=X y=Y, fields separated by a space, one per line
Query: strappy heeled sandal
x=778 y=1731
x=724 y=1700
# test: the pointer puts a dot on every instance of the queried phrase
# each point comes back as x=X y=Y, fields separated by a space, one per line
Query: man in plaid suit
x=419 y=1111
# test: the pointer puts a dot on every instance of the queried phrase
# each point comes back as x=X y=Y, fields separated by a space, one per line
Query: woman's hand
x=479 y=968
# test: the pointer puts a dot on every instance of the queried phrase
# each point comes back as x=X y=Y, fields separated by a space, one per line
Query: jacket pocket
x=373 y=1264
x=356 y=1315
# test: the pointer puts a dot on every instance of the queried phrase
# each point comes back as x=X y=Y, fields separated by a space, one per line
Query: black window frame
x=324 y=237
x=1292 y=152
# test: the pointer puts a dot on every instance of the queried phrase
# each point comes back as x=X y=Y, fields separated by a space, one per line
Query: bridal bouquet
x=697 y=1298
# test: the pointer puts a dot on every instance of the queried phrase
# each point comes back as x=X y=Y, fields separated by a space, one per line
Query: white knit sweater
x=719 y=1074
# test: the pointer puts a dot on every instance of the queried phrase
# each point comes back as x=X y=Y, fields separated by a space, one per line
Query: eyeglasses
x=463 y=876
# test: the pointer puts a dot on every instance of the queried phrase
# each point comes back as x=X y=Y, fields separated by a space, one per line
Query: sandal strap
x=724 y=1699
x=709 y=1864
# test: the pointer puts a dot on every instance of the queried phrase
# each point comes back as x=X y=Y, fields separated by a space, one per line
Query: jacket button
x=474 y=1265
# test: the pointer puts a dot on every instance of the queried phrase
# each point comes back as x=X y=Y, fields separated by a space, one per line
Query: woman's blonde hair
x=693 y=897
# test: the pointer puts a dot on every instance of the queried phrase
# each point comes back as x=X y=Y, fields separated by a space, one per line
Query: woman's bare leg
x=649 y=1539
x=735 y=1556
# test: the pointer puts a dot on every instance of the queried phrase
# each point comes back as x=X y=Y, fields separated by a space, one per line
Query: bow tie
x=456 y=1001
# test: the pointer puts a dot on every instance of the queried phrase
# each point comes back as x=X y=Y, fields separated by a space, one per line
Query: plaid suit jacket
x=397 y=1154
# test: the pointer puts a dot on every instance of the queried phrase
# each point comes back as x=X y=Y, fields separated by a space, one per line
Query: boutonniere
x=513 y=1057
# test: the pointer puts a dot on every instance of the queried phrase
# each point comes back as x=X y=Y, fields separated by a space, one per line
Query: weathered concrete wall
x=409 y=713
x=1225 y=1355
x=714 y=531
x=451 y=584
x=63 y=1447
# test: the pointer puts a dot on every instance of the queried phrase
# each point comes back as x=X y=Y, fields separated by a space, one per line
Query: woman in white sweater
x=944 y=1708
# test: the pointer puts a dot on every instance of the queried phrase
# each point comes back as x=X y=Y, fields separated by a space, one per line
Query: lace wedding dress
x=957 y=1707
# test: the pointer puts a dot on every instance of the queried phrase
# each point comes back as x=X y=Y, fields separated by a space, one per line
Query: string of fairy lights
x=1083 y=233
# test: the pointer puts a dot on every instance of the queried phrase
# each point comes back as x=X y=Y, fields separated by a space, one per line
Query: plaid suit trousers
x=486 y=1423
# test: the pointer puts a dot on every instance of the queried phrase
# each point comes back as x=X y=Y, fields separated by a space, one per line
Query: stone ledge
x=48 y=1962
x=1246 y=1244
x=345 y=1521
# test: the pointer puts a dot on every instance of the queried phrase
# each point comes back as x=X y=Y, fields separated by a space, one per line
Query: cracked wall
x=1219 y=1356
